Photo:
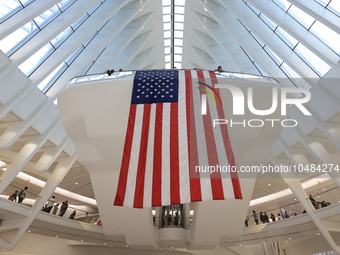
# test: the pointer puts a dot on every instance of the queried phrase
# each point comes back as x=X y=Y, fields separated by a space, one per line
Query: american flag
x=167 y=138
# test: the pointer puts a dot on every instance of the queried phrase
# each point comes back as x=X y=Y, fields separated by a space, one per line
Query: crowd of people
x=264 y=218
x=19 y=196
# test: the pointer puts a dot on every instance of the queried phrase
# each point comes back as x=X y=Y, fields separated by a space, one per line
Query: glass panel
x=167 y=34
x=167 y=50
x=179 y=18
x=253 y=8
x=166 y=18
x=64 y=4
x=275 y=57
x=287 y=38
x=167 y=10
x=167 y=65
x=73 y=56
x=268 y=21
x=26 y=2
x=260 y=69
x=59 y=39
x=334 y=6
x=178 y=50
x=167 y=58
x=258 y=39
x=50 y=79
x=179 y=26
x=8 y=8
x=93 y=9
x=76 y=24
x=178 y=58
x=178 y=65
x=323 y=2
x=179 y=9
x=179 y=2
x=327 y=36
x=295 y=77
x=18 y=37
x=319 y=66
x=167 y=26
x=167 y=42
x=283 y=4
x=166 y=2
x=303 y=18
x=35 y=60
x=179 y=34
x=178 y=42
x=43 y=19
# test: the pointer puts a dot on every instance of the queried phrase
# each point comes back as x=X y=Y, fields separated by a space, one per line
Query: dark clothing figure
x=73 y=215
x=22 y=195
x=272 y=216
x=265 y=217
x=63 y=208
x=314 y=203
x=262 y=217
x=246 y=221
x=13 y=197
x=286 y=215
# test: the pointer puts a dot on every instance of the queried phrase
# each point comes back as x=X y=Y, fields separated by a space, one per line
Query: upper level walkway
x=293 y=228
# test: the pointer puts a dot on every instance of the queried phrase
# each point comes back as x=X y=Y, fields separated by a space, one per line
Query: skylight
x=173 y=25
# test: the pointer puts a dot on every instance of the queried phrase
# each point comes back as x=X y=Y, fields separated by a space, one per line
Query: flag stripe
x=201 y=141
x=195 y=183
x=121 y=189
x=228 y=148
x=228 y=191
x=174 y=161
x=139 y=190
x=147 y=194
x=184 y=184
x=165 y=155
x=215 y=178
x=157 y=172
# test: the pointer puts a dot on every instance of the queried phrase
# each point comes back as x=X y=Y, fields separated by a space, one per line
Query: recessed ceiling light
x=76 y=183
x=29 y=231
x=317 y=234
x=104 y=243
x=324 y=188
x=240 y=244
x=81 y=240
x=269 y=184
x=56 y=236
x=289 y=238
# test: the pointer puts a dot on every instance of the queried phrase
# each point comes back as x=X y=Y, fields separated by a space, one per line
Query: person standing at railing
x=13 y=197
x=272 y=216
x=256 y=218
x=50 y=204
x=63 y=208
x=22 y=195
x=55 y=208
x=73 y=215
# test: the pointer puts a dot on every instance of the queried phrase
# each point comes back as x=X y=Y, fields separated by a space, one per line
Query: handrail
x=277 y=210
x=128 y=73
